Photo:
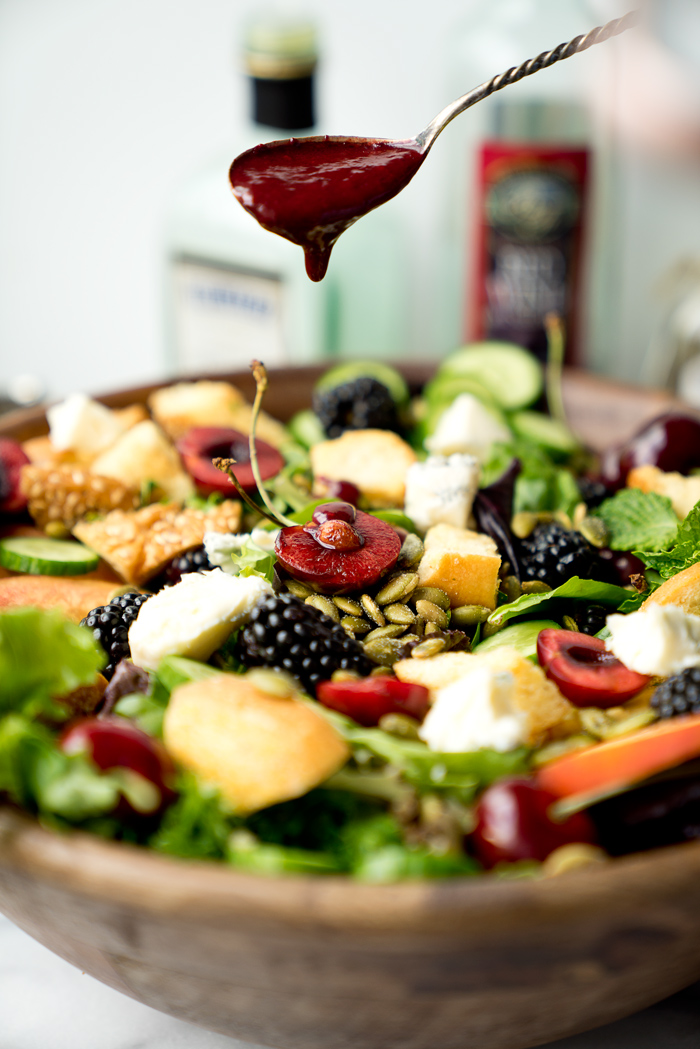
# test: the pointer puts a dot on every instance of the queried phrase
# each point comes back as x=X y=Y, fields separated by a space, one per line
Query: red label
x=531 y=207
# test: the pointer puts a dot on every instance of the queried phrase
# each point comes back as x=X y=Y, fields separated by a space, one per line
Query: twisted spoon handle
x=515 y=73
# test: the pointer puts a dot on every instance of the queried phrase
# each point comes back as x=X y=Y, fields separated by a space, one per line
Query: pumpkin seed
x=469 y=615
x=572 y=857
x=351 y=608
x=411 y=551
x=400 y=725
x=594 y=530
x=345 y=675
x=431 y=629
x=431 y=647
x=569 y=624
x=434 y=594
x=559 y=747
x=272 y=682
x=392 y=630
x=372 y=609
x=400 y=586
x=300 y=590
x=511 y=588
x=489 y=629
x=523 y=524
x=384 y=651
x=432 y=613
x=355 y=625
x=399 y=614
x=535 y=586
x=325 y=605
x=580 y=511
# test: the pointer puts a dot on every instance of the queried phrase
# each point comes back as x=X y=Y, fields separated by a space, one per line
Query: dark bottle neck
x=284 y=104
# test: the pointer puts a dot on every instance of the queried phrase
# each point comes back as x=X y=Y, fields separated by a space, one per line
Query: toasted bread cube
x=142 y=454
x=179 y=407
x=684 y=492
x=682 y=589
x=464 y=564
x=257 y=748
x=376 y=461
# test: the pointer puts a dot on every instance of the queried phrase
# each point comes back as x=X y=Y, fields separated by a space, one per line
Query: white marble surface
x=47 y=1004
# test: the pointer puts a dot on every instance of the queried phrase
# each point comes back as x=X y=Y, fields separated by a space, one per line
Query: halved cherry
x=201 y=444
x=12 y=459
x=114 y=742
x=584 y=671
x=513 y=823
x=369 y=699
x=340 y=550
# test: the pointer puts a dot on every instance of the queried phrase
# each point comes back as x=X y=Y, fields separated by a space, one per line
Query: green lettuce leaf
x=542 y=484
x=197 y=825
x=43 y=655
x=638 y=520
x=251 y=559
x=578 y=589
x=684 y=550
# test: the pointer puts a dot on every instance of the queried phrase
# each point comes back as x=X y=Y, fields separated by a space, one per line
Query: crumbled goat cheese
x=467 y=426
x=475 y=711
x=194 y=617
x=659 y=640
x=441 y=490
x=83 y=425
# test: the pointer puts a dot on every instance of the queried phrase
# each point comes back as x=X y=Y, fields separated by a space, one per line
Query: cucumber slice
x=522 y=636
x=444 y=388
x=544 y=431
x=384 y=373
x=38 y=556
x=514 y=377
x=306 y=428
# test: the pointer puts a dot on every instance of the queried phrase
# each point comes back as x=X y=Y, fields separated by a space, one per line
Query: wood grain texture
x=302 y=963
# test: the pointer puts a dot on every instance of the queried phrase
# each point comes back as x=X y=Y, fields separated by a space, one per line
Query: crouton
x=464 y=564
x=376 y=461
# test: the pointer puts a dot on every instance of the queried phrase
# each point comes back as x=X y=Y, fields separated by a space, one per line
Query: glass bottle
x=234 y=291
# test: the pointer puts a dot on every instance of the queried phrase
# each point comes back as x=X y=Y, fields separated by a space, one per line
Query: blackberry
x=591 y=618
x=554 y=554
x=363 y=404
x=286 y=633
x=110 y=626
x=592 y=492
x=194 y=560
x=679 y=694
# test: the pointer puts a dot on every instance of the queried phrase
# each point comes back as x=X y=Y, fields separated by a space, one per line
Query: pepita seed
x=392 y=630
x=355 y=624
x=535 y=586
x=523 y=524
x=569 y=624
x=562 y=518
x=300 y=590
x=325 y=605
x=430 y=629
x=400 y=725
x=399 y=614
x=489 y=629
x=432 y=613
x=511 y=588
x=432 y=593
x=580 y=511
x=272 y=682
x=411 y=551
x=397 y=588
x=345 y=675
x=431 y=647
x=372 y=609
x=572 y=857
x=351 y=608
x=384 y=651
x=594 y=530
x=469 y=615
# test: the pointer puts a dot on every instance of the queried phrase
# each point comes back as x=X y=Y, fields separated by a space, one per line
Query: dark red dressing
x=310 y=190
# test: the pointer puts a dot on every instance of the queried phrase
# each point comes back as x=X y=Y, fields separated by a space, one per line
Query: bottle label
x=224 y=317
x=531 y=204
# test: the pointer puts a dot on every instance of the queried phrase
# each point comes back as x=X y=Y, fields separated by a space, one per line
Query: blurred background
x=124 y=258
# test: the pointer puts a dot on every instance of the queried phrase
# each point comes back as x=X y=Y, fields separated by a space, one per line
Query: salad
x=408 y=634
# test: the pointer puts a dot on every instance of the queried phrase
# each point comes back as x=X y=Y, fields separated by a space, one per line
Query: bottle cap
x=280 y=49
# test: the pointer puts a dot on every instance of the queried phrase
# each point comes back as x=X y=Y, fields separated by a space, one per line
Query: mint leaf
x=638 y=520
x=43 y=655
x=684 y=552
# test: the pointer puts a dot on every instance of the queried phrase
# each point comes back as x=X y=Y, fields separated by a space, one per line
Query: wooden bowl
x=300 y=962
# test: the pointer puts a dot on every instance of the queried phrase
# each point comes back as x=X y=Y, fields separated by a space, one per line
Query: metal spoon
x=310 y=190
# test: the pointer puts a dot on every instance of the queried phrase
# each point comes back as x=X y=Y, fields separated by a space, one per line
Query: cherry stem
x=260 y=376
x=554 y=327
x=226 y=467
